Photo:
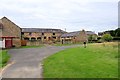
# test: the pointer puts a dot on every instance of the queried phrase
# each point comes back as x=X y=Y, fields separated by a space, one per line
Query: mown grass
x=4 y=57
x=95 y=61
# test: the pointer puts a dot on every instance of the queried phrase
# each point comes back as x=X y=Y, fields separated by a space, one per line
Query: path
x=27 y=62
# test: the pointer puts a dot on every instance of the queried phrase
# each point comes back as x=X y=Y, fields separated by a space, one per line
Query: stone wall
x=49 y=36
x=80 y=38
x=34 y=43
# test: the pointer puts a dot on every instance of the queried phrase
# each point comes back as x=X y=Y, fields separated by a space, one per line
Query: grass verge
x=95 y=61
x=4 y=57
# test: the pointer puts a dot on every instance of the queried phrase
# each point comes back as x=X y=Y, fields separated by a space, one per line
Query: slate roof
x=41 y=30
x=71 y=34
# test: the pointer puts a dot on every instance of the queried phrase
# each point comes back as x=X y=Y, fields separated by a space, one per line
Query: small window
x=54 y=37
x=22 y=33
x=53 y=33
x=26 y=38
x=33 y=39
x=39 y=38
x=44 y=37
x=42 y=33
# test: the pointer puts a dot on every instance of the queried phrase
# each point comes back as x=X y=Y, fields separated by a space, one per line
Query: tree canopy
x=107 y=37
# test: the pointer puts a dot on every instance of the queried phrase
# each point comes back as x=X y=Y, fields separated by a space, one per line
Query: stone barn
x=76 y=37
x=10 y=34
x=38 y=36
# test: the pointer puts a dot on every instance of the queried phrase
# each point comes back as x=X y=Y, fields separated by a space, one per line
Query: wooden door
x=8 y=43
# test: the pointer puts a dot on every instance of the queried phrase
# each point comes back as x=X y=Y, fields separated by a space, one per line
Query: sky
x=72 y=15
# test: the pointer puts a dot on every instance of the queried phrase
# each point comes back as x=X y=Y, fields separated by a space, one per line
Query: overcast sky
x=74 y=15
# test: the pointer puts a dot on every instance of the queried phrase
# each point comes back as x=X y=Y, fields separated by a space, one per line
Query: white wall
x=2 y=43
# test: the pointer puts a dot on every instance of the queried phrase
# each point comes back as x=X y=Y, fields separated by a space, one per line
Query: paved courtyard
x=27 y=62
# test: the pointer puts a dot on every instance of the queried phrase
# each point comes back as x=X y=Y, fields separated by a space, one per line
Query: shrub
x=107 y=37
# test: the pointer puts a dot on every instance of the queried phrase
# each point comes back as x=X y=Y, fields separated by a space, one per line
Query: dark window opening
x=42 y=33
x=54 y=37
x=22 y=33
x=53 y=33
x=33 y=39
x=44 y=37
x=26 y=38
x=39 y=38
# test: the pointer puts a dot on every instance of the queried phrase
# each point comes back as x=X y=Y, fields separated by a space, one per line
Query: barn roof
x=70 y=34
x=41 y=30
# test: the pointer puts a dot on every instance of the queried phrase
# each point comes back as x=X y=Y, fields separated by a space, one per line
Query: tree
x=117 y=32
x=107 y=37
x=92 y=37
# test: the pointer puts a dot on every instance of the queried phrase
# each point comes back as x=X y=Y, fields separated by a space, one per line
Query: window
x=26 y=38
x=39 y=38
x=42 y=33
x=53 y=33
x=54 y=37
x=33 y=39
x=44 y=37
x=22 y=33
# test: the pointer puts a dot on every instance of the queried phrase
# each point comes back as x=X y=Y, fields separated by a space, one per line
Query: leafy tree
x=114 y=33
x=117 y=31
x=107 y=37
x=91 y=37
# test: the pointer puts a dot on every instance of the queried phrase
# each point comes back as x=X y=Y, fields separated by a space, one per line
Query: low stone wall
x=34 y=43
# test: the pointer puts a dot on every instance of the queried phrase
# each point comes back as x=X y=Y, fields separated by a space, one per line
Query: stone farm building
x=10 y=34
x=36 y=36
x=77 y=36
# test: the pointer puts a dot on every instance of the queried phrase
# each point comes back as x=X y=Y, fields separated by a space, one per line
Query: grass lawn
x=4 y=57
x=95 y=61
x=32 y=46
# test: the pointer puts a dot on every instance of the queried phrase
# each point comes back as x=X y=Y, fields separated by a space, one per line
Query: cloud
x=71 y=14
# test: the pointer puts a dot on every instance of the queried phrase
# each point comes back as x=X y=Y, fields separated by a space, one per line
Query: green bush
x=107 y=37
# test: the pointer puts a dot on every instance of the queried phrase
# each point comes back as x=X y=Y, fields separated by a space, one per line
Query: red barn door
x=8 y=42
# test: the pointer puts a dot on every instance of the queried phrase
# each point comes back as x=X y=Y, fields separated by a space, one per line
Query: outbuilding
x=10 y=34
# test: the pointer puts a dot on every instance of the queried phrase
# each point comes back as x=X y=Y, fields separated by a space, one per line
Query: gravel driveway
x=27 y=62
